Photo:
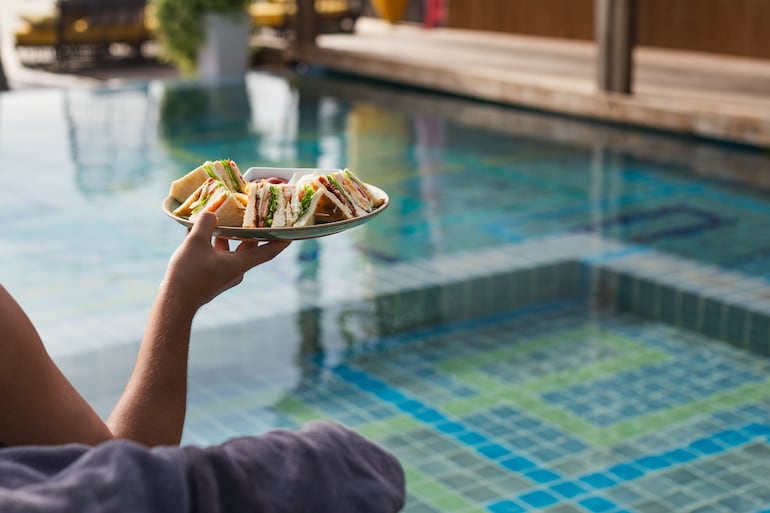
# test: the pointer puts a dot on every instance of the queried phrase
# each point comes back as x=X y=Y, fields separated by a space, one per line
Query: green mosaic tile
x=434 y=493
x=651 y=423
x=633 y=360
x=298 y=410
x=513 y=350
x=526 y=396
x=235 y=402
x=383 y=428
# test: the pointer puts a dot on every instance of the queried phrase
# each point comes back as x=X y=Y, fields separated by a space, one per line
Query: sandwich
x=285 y=214
x=268 y=205
x=214 y=196
x=315 y=198
x=226 y=171
x=360 y=192
x=314 y=204
x=350 y=191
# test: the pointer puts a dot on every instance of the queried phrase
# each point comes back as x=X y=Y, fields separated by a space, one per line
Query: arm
x=152 y=408
x=37 y=403
x=46 y=409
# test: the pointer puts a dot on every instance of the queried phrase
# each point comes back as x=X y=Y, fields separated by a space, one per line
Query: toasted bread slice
x=251 y=215
x=182 y=188
x=214 y=196
x=285 y=214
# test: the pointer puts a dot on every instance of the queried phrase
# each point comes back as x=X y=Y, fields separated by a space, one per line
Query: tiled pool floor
x=558 y=407
x=538 y=323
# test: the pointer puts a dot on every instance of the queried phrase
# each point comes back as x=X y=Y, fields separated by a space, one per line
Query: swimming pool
x=552 y=315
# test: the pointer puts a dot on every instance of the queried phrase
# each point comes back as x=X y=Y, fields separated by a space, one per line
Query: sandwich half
x=214 y=196
x=285 y=214
x=350 y=191
x=358 y=191
x=182 y=188
x=263 y=199
x=225 y=171
x=314 y=204
x=228 y=172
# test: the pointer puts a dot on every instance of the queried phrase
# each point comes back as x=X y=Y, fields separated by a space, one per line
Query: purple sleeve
x=322 y=468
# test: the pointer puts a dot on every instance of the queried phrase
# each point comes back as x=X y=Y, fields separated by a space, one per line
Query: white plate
x=284 y=233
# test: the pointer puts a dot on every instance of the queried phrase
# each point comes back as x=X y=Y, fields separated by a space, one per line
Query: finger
x=204 y=226
x=222 y=244
x=259 y=255
x=250 y=244
x=246 y=245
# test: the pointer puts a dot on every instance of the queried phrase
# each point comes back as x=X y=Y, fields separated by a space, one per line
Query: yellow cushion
x=80 y=32
x=40 y=30
x=29 y=36
x=107 y=34
x=39 y=20
x=150 y=18
x=267 y=14
x=330 y=8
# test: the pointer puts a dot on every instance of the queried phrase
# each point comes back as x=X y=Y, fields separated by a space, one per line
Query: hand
x=199 y=271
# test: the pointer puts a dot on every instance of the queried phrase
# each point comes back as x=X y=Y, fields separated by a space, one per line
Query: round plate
x=285 y=233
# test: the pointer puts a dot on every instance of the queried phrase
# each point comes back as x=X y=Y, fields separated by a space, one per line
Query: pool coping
x=702 y=298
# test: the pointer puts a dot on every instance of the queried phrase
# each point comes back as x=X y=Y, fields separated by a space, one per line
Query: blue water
x=533 y=322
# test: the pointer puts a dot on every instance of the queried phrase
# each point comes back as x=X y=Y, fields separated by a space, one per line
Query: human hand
x=198 y=271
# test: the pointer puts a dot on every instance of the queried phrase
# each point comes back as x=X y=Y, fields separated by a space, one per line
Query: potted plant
x=207 y=37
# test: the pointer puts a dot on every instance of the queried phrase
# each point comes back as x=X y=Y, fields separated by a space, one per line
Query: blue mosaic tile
x=539 y=499
x=568 y=489
x=598 y=481
x=543 y=476
x=514 y=190
x=517 y=463
x=506 y=507
x=596 y=504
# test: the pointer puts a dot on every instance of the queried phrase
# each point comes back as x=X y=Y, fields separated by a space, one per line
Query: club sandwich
x=226 y=171
x=350 y=191
x=214 y=196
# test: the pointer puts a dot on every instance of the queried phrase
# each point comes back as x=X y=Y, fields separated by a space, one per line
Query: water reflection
x=198 y=121
x=462 y=175
x=111 y=136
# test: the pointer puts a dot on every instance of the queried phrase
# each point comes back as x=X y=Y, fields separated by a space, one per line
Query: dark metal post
x=306 y=22
x=615 y=34
x=3 y=80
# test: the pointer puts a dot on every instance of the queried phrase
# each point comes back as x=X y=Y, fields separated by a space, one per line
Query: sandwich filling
x=268 y=205
x=204 y=200
x=231 y=175
x=305 y=196
x=334 y=186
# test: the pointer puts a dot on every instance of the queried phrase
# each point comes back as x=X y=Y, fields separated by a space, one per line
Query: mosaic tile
x=530 y=350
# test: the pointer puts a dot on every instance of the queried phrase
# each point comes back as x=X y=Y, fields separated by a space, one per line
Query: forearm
x=152 y=407
x=37 y=403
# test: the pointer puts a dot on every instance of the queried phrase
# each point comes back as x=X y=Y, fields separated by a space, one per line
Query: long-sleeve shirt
x=323 y=467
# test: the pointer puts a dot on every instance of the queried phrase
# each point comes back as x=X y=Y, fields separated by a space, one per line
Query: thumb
x=203 y=228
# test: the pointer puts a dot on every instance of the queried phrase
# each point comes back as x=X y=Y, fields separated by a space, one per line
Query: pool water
x=552 y=315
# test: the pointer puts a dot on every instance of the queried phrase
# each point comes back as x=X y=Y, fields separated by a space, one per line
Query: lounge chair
x=334 y=15
x=80 y=29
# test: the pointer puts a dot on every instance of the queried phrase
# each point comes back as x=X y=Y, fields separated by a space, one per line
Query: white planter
x=226 y=48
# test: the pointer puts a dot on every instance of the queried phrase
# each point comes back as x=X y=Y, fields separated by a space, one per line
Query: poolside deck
x=711 y=96
x=705 y=95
